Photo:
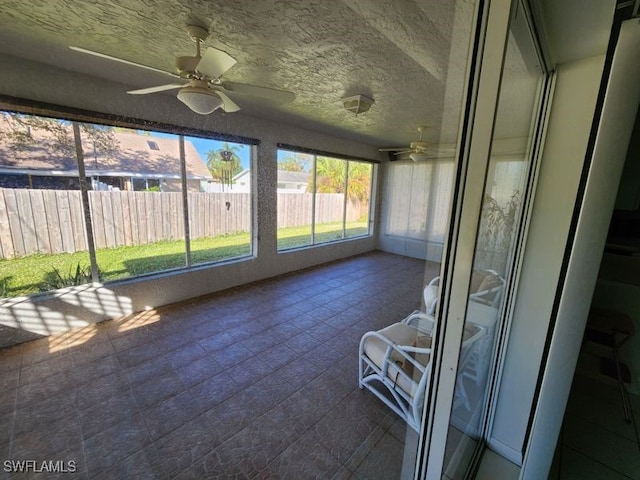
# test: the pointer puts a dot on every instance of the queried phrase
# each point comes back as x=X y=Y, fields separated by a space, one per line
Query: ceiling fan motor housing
x=187 y=64
x=419 y=145
x=197 y=33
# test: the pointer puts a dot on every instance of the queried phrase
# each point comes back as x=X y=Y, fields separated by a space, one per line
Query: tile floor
x=258 y=381
x=597 y=443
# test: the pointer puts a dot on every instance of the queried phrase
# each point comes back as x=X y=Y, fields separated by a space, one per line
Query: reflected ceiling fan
x=199 y=79
x=420 y=150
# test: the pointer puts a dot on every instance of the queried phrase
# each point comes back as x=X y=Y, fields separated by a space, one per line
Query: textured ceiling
x=408 y=55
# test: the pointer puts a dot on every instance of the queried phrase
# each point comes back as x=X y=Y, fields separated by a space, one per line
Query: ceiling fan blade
x=229 y=105
x=215 y=62
x=403 y=152
x=392 y=149
x=116 y=59
x=277 y=96
x=161 y=88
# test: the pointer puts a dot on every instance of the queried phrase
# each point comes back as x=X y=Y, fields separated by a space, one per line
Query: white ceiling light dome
x=418 y=157
x=199 y=98
x=357 y=104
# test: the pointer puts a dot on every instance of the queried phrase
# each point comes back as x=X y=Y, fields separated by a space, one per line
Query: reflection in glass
x=415 y=208
x=500 y=218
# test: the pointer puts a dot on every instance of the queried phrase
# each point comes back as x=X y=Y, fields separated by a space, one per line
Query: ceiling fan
x=199 y=78
x=420 y=150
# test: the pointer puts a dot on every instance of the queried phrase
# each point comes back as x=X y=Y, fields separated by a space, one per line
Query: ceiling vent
x=357 y=104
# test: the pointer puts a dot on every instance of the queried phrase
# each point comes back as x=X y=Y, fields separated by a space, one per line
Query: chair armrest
x=408 y=353
x=420 y=320
x=479 y=297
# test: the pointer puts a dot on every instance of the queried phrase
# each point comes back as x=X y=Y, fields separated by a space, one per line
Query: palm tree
x=359 y=184
x=330 y=176
x=222 y=165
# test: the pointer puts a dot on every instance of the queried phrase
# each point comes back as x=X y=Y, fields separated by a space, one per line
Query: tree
x=18 y=134
x=497 y=227
x=359 y=181
x=295 y=162
x=224 y=170
x=101 y=138
x=330 y=177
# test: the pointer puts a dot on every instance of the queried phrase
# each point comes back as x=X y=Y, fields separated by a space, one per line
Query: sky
x=203 y=145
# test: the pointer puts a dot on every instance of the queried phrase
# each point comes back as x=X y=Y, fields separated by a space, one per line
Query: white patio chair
x=395 y=362
x=486 y=287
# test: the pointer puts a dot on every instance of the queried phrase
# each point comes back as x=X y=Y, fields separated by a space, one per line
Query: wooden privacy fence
x=52 y=221
x=295 y=209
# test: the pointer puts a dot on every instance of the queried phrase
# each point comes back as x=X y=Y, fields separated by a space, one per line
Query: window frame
x=77 y=116
x=348 y=159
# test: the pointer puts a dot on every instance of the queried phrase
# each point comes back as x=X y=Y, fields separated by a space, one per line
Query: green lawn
x=326 y=232
x=35 y=273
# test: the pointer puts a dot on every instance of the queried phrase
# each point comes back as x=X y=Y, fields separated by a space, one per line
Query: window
x=145 y=184
x=128 y=206
x=321 y=199
x=419 y=199
x=220 y=215
x=43 y=241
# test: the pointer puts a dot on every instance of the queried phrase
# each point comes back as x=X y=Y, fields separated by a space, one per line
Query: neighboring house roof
x=284 y=176
x=293 y=177
x=136 y=156
x=242 y=174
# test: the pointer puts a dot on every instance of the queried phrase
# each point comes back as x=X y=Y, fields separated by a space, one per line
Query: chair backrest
x=486 y=287
x=431 y=294
x=471 y=334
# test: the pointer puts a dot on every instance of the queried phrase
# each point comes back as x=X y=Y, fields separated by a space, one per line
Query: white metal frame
x=586 y=246
x=458 y=259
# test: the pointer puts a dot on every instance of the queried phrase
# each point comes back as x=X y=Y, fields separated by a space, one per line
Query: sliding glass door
x=487 y=235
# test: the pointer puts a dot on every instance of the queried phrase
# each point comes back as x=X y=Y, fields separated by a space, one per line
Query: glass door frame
x=486 y=64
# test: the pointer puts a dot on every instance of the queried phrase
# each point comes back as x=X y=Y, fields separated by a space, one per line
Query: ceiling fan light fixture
x=418 y=157
x=200 y=100
x=357 y=104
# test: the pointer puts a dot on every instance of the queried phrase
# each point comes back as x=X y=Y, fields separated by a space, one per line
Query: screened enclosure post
x=344 y=201
x=185 y=201
x=95 y=275
x=313 y=201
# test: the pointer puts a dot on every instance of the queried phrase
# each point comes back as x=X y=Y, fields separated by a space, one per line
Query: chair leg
x=623 y=391
x=633 y=417
x=627 y=408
